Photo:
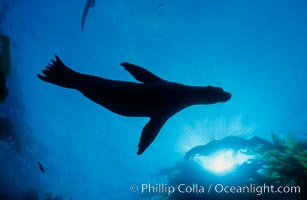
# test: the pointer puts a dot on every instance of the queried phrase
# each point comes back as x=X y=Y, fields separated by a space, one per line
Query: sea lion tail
x=59 y=74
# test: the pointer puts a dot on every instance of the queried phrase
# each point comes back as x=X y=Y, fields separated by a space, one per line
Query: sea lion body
x=154 y=97
x=139 y=100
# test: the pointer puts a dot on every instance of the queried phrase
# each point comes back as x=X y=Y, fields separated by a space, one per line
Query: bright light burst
x=222 y=162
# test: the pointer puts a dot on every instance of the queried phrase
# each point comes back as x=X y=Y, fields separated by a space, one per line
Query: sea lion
x=154 y=97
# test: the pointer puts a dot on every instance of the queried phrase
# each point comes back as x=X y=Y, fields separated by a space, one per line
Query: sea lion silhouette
x=154 y=97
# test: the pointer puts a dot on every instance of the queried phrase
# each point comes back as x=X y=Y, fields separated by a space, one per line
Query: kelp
x=32 y=194
x=287 y=163
x=282 y=162
x=4 y=66
x=50 y=196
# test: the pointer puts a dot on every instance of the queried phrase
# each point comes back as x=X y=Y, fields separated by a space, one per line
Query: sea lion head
x=212 y=94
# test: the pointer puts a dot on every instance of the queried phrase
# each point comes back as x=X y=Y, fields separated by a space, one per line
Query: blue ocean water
x=257 y=50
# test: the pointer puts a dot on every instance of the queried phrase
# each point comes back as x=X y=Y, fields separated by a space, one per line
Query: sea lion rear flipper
x=140 y=74
x=149 y=133
x=59 y=74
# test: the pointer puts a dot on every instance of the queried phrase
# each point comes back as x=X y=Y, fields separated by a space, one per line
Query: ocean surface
x=256 y=50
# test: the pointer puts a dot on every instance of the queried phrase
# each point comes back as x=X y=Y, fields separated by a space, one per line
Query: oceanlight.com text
x=149 y=188
x=257 y=189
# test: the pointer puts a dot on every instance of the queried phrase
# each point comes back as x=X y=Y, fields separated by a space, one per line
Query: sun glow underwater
x=222 y=162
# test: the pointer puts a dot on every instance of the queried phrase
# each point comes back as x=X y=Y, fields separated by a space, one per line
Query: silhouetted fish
x=41 y=167
x=89 y=4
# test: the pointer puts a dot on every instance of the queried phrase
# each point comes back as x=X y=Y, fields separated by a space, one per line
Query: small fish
x=89 y=4
x=41 y=167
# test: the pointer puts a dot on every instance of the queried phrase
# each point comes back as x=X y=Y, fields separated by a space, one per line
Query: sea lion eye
x=220 y=90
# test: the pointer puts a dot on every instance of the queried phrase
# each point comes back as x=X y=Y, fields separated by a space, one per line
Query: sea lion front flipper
x=140 y=74
x=150 y=132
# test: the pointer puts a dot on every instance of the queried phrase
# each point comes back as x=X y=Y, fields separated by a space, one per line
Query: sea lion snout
x=223 y=95
x=215 y=95
x=227 y=96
